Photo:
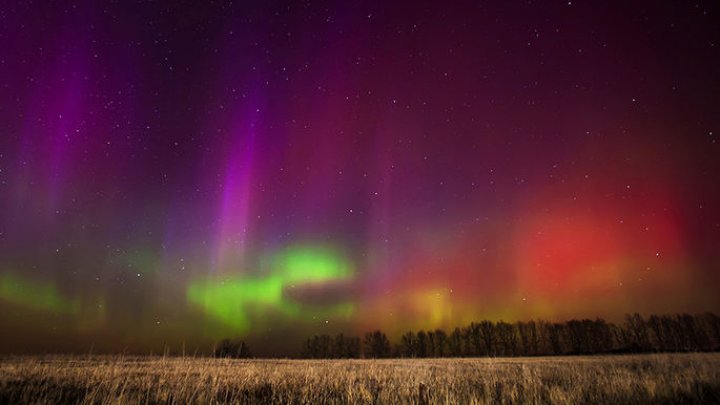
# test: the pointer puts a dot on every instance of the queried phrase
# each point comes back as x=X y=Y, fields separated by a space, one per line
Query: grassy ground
x=667 y=378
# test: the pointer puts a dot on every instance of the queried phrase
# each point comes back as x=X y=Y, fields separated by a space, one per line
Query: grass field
x=664 y=378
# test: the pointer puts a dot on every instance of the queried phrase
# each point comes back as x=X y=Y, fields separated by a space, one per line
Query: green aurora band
x=231 y=300
x=42 y=296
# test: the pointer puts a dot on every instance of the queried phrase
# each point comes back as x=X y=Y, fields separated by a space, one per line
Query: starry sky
x=173 y=173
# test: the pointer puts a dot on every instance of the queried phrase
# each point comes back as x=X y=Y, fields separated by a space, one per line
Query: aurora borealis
x=175 y=173
x=226 y=299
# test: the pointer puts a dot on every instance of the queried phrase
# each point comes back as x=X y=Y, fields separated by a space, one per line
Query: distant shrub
x=236 y=349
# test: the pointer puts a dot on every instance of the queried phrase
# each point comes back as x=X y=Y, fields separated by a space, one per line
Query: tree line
x=636 y=334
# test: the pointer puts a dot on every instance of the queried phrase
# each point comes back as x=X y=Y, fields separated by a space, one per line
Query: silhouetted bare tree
x=376 y=345
x=455 y=343
x=409 y=345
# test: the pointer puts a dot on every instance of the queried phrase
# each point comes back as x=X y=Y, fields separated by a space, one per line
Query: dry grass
x=668 y=378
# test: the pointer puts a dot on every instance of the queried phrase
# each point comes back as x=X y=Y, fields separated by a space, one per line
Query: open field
x=662 y=378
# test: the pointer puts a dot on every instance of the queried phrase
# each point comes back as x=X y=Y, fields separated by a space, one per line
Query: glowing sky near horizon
x=174 y=174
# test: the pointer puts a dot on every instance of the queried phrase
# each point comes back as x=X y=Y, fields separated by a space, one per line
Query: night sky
x=175 y=173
